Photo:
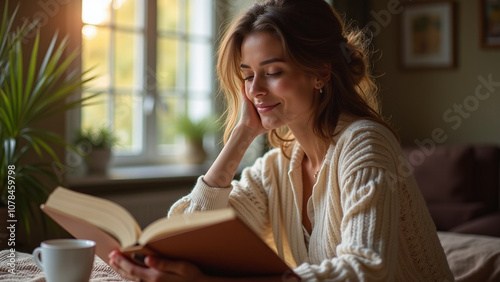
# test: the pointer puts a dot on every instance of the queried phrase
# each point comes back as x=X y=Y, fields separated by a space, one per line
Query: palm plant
x=28 y=96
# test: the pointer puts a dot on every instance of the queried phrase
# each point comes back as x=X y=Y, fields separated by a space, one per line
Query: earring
x=320 y=86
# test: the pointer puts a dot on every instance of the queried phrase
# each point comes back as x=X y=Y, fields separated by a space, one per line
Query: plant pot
x=98 y=161
x=195 y=153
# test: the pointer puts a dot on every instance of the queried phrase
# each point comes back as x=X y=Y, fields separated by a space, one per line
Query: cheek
x=295 y=88
x=284 y=86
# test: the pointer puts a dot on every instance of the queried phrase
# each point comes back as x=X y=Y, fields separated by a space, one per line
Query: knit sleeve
x=369 y=203
x=202 y=197
x=246 y=196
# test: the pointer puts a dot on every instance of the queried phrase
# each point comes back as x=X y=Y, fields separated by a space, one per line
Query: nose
x=257 y=87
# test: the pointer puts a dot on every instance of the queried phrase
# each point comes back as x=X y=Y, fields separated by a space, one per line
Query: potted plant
x=29 y=95
x=194 y=132
x=96 y=144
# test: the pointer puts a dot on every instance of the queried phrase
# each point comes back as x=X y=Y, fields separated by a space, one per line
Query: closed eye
x=274 y=73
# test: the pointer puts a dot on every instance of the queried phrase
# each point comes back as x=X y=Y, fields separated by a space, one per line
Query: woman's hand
x=249 y=118
x=157 y=269
x=249 y=126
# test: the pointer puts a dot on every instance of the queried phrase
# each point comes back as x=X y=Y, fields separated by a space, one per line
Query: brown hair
x=315 y=39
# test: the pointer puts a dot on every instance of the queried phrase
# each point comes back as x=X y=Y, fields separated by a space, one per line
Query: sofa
x=460 y=184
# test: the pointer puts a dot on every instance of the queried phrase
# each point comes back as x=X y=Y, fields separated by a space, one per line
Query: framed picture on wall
x=490 y=23
x=428 y=35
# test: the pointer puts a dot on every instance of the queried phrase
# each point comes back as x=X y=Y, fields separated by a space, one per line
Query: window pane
x=168 y=15
x=96 y=11
x=129 y=13
x=114 y=44
x=200 y=18
x=199 y=63
x=167 y=56
x=96 y=115
x=199 y=108
x=166 y=117
x=128 y=122
x=128 y=58
x=95 y=53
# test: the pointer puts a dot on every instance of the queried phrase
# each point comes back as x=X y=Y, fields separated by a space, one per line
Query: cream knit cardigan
x=370 y=222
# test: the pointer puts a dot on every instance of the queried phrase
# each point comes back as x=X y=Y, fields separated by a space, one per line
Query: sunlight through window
x=95 y=11
x=147 y=79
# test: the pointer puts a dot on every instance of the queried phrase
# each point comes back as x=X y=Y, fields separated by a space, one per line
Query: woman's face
x=281 y=93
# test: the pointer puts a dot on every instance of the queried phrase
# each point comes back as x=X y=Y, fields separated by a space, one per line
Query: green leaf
x=19 y=77
x=48 y=57
x=7 y=114
x=5 y=29
x=41 y=143
x=31 y=70
x=32 y=144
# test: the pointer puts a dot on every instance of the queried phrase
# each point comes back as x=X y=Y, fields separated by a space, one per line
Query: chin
x=270 y=125
x=274 y=121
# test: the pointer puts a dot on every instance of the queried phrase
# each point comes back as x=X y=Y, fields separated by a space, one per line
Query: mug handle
x=36 y=257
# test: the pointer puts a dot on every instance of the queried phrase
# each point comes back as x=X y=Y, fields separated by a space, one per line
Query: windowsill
x=133 y=178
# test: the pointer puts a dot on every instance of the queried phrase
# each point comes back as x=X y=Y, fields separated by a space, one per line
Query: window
x=154 y=61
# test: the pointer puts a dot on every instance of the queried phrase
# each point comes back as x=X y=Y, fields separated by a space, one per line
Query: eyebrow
x=273 y=60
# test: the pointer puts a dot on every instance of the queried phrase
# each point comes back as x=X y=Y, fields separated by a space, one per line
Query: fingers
x=249 y=116
x=179 y=268
x=245 y=102
x=157 y=269
x=126 y=268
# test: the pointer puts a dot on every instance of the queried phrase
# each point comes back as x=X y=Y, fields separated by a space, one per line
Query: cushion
x=443 y=174
x=486 y=180
x=472 y=258
x=449 y=215
x=485 y=225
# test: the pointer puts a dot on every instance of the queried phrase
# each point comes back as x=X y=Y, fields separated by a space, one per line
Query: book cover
x=218 y=242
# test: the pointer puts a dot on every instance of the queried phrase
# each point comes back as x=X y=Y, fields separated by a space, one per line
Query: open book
x=217 y=241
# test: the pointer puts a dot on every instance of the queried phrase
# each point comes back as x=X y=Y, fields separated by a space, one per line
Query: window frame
x=150 y=153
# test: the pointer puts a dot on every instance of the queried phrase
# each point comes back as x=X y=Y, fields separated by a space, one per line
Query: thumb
x=182 y=268
x=153 y=262
x=160 y=264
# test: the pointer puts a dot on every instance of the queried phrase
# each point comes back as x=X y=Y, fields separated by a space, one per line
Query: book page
x=105 y=214
x=182 y=222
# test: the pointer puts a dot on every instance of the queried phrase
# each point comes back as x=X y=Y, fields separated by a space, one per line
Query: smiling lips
x=264 y=108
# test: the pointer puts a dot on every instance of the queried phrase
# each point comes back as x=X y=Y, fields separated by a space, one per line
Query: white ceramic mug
x=65 y=260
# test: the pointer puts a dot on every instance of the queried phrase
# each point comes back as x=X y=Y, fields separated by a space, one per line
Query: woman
x=332 y=196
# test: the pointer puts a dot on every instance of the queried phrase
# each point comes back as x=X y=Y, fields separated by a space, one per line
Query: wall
x=417 y=100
